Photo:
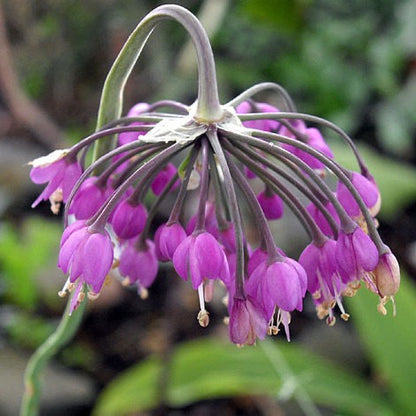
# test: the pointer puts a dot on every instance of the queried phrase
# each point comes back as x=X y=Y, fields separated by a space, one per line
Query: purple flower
x=368 y=192
x=265 y=125
x=131 y=136
x=320 y=220
x=88 y=199
x=171 y=236
x=315 y=140
x=320 y=266
x=139 y=265
x=59 y=171
x=355 y=254
x=128 y=220
x=162 y=179
x=280 y=284
x=201 y=257
x=246 y=322
x=87 y=256
x=272 y=205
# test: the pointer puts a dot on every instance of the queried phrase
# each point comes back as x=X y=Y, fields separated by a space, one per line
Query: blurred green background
x=353 y=63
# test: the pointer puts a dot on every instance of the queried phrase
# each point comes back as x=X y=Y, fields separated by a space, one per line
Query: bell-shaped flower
x=355 y=254
x=139 y=265
x=368 y=192
x=88 y=199
x=59 y=171
x=128 y=219
x=201 y=257
x=314 y=139
x=87 y=256
x=247 y=322
x=320 y=266
x=271 y=204
x=131 y=136
x=263 y=124
x=319 y=218
x=280 y=284
x=171 y=236
x=162 y=178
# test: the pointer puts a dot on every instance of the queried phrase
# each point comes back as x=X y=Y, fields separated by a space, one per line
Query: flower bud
x=387 y=275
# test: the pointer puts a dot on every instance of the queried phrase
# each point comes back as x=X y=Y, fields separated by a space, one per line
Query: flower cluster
x=241 y=169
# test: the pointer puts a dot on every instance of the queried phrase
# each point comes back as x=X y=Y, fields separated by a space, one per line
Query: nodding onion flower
x=212 y=152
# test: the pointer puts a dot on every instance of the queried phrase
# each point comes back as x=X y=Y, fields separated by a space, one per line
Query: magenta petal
x=163 y=178
x=70 y=247
x=239 y=326
x=211 y=258
x=367 y=190
x=52 y=186
x=42 y=174
x=170 y=238
x=129 y=220
x=70 y=230
x=194 y=266
x=272 y=205
x=355 y=253
x=180 y=258
x=88 y=199
x=72 y=174
x=97 y=254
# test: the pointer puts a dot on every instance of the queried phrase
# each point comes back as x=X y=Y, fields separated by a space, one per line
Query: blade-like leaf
x=209 y=368
x=391 y=343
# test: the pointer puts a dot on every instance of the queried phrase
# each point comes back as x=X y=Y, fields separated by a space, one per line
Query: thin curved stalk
x=66 y=329
x=208 y=108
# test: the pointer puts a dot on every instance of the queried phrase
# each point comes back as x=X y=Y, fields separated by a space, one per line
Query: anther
x=203 y=318
x=92 y=295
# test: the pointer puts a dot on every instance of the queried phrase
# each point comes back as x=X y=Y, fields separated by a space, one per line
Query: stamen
x=203 y=318
x=143 y=292
x=92 y=296
x=68 y=286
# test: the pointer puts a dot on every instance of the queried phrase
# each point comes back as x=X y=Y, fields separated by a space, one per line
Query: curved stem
x=261 y=87
x=234 y=212
x=277 y=186
x=261 y=221
x=269 y=147
x=208 y=107
x=313 y=119
x=251 y=155
x=203 y=189
x=66 y=329
x=346 y=221
x=98 y=221
x=180 y=198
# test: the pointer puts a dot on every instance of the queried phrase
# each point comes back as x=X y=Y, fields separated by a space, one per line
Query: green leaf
x=209 y=368
x=22 y=254
x=389 y=174
x=391 y=342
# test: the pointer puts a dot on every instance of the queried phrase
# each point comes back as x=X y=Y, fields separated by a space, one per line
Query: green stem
x=64 y=332
x=208 y=108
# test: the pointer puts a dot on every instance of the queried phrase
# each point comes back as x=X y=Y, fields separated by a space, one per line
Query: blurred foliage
x=23 y=254
x=390 y=344
x=209 y=368
x=351 y=62
x=28 y=331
